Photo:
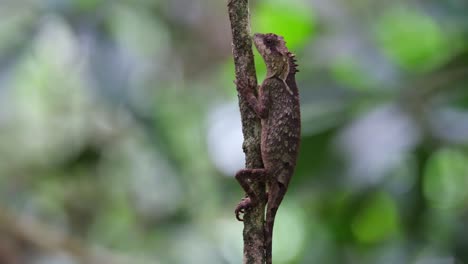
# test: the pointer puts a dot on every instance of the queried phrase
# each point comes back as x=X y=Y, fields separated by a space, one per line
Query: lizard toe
x=243 y=205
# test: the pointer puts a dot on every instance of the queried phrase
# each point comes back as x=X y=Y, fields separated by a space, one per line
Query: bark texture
x=245 y=70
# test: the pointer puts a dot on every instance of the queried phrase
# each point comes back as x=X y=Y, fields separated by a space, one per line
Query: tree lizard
x=277 y=105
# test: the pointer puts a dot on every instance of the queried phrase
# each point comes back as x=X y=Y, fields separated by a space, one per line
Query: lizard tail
x=275 y=196
x=270 y=216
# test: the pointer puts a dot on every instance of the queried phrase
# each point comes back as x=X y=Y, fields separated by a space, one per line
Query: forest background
x=120 y=131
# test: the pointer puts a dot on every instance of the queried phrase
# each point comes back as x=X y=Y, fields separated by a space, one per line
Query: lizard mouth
x=257 y=37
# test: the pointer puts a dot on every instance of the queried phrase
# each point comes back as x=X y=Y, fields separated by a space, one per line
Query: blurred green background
x=120 y=132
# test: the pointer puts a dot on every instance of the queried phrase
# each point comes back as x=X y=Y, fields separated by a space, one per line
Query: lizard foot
x=241 y=85
x=243 y=205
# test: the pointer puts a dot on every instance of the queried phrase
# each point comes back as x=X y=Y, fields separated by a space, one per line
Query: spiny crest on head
x=292 y=62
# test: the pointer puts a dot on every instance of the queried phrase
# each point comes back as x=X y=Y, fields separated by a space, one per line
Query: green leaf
x=292 y=20
x=289 y=232
x=87 y=5
x=446 y=178
x=138 y=31
x=413 y=40
x=377 y=220
x=348 y=72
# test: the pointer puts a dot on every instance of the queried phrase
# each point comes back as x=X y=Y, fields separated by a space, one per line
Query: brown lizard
x=277 y=105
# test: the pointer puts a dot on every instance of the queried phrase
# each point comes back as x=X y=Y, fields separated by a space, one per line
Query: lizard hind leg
x=245 y=178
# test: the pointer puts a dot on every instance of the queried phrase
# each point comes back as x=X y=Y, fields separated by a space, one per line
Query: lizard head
x=274 y=52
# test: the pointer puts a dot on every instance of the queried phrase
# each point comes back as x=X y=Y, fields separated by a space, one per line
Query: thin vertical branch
x=251 y=128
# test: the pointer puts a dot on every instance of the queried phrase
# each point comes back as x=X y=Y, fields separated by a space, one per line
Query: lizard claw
x=241 y=207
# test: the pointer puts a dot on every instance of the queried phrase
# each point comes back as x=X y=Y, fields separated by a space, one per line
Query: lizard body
x=277 y=105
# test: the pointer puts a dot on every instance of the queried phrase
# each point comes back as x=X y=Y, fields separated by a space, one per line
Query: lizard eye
x=268 y=41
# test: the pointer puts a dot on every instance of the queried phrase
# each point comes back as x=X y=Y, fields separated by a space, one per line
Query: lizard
x=277 y=106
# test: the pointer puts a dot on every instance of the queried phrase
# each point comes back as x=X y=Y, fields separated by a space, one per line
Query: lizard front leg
x=259 y=105
x=245 y=178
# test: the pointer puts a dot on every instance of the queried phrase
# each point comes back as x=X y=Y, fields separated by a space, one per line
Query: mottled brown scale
x=277 y=105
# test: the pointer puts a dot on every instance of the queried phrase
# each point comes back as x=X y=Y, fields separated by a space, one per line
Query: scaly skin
x=277 y=105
